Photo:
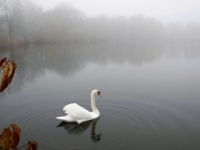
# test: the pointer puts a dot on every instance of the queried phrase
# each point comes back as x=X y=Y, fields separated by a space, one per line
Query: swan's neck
x=93 y=105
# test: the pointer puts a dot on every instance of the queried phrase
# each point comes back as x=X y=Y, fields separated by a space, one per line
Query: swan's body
x=76 y=113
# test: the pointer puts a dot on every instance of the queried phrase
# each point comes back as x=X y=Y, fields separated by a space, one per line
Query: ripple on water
x=37 y=123
x=116 y=125
x=119 y=124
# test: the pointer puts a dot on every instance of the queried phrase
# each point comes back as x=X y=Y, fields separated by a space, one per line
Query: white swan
x=76 y=113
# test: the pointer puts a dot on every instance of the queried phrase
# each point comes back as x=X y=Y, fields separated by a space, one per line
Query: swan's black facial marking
x=99 y=93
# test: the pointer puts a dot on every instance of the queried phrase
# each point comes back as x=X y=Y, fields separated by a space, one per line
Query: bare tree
x=1 y=4
x=11 y=10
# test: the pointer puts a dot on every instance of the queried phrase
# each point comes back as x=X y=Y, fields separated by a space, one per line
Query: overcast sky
x=164 y=10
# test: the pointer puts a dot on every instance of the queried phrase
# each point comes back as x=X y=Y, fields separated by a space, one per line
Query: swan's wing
x=76 y=111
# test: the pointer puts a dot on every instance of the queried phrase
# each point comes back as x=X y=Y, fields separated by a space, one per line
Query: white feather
x=76 y=113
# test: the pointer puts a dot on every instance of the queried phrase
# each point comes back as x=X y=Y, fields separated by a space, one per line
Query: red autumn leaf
x=10 y=137
x=6 y=133
x=32 y=145
x=3 y=61
x=29 y=145
x=15 y=140
x=2 y=139
x=4 y=82
x=16 y=131
x=8 y=68
x=16 y=128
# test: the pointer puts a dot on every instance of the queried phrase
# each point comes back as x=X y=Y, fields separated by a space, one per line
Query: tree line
x=23 y=21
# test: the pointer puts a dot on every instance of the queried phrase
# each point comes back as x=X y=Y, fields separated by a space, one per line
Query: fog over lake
x=143 y=56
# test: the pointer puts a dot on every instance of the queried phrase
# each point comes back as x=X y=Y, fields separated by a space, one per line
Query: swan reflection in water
x=78 y=129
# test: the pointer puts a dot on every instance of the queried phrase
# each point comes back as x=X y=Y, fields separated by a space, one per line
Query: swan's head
x=96 y=92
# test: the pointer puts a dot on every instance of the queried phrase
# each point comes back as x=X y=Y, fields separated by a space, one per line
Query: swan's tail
x=66 y=118
x=63 y=118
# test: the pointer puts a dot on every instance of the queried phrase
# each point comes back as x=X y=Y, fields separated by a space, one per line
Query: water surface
x=150 y=95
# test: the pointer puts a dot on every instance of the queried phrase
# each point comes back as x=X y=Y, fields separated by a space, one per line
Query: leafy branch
x=10 y=137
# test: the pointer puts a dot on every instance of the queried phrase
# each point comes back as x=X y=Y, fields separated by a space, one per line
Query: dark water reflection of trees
x=67 y=59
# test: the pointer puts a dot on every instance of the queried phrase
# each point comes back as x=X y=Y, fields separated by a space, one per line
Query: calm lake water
x=150 y=95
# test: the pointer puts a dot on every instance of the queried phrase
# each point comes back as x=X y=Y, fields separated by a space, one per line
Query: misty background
x=26 y=21
x=96 y=31
x=142 y=55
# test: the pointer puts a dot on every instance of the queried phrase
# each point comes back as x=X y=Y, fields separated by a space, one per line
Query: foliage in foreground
x=10 y=137
x=7 y=68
